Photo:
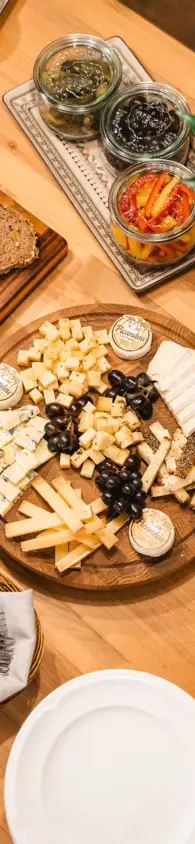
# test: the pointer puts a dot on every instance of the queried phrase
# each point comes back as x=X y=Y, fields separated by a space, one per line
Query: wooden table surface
x=149 y=630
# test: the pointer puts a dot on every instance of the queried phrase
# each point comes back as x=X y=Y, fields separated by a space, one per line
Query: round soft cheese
x=153 y=535
x=11 y=388
x=130 y=337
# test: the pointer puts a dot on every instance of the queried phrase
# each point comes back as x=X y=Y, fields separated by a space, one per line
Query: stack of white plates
x=108 y=758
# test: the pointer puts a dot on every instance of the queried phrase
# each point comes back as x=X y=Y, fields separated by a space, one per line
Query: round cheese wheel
x=11 y=388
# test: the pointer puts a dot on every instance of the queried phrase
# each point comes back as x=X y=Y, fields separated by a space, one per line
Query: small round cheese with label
x=153 y=535
x=130 y=337
x=11 y=388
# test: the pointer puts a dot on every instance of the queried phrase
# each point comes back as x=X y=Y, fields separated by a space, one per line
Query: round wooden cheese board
x=122 y=566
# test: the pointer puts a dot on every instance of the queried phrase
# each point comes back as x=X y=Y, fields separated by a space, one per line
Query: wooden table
x=149 y=630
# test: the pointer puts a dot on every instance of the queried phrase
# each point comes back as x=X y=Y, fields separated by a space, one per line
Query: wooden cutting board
x=122 y=566
x=17 y=284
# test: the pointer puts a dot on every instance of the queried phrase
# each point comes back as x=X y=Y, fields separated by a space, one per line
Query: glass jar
x=147 y=249
x=75 y=77
x=131 y=123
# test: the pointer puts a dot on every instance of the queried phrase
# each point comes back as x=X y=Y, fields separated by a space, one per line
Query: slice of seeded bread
x=17 y=240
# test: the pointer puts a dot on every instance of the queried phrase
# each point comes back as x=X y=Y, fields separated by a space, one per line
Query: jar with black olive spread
x=141 y=123
x=75 y=77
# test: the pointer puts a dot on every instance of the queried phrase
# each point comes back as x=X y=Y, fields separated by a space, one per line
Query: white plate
x=108 y=758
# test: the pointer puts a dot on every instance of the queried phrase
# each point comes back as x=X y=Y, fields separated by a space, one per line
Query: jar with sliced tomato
x=152 y=213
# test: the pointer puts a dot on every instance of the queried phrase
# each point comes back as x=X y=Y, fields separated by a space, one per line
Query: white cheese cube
x=64 y=400
x=102 y=440
x=102 y=336
x=103 y=365
x=23 y=358
x=62 y=371
x=72 y=363
x=46 y=379
x=87 y=438
x=49 y=395
x=124 y=437
x=49 y=331
x=93 y=379
x=76 y=329
x=87 y=469
x=36 y=396
x=65 y=461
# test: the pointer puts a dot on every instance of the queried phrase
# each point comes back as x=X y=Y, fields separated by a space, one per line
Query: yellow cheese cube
x=124 y=437
x=89 y=362
x=64 y=400
x=87 y=438
x=36 y=396
x=87 y=469
x=103 y=365
x=93 y=379
x=76 y=329
x=72 y=363
x=46 y=379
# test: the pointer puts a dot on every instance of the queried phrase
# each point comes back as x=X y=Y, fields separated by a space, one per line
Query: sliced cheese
x=49 y=540
x=38 y=523
x=58 y=505
x=153 y=468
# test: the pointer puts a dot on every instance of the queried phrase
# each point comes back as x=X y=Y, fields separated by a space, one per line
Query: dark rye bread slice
x=17 y=240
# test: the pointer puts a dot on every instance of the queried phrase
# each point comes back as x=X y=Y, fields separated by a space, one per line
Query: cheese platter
x=97 y=460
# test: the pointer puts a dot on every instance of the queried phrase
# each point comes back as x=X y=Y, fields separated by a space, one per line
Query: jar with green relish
x=75 y=77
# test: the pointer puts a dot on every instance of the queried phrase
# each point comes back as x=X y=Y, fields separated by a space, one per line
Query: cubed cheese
x=124 y=437
x=36 y=396
x=93 y=379
x=87 y=438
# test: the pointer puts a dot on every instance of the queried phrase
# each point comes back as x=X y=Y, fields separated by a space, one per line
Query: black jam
x=142 y=125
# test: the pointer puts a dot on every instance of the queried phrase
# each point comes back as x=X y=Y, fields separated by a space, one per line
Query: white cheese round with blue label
x=11 y=388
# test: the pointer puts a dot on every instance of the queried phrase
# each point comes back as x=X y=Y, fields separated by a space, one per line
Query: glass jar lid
x=77 y=73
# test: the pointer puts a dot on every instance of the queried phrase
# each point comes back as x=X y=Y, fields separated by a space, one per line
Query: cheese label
x=9 y=381
x=153 y=531
x=130 y=333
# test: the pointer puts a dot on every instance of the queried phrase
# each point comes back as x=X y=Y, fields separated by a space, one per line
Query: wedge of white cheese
x=187 y=413
x=165 y=359
x=184 y=367
x=178 y=388
x=187 y=397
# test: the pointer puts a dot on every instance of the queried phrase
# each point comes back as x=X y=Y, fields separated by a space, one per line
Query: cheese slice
x=58 y=505
x=26 y=459
x=5 y=438
x=14 y=473
x=32 y=525
x=180 y=402
x=48 y=540
x=188 y=412
x=8 y=489
x=182 y=370
x=5 y=505
x=178 y=388
x=188 y=427
x=166 y=353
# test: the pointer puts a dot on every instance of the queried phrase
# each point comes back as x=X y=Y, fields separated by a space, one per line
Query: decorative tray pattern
x=3 y=4
x=83 y=173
